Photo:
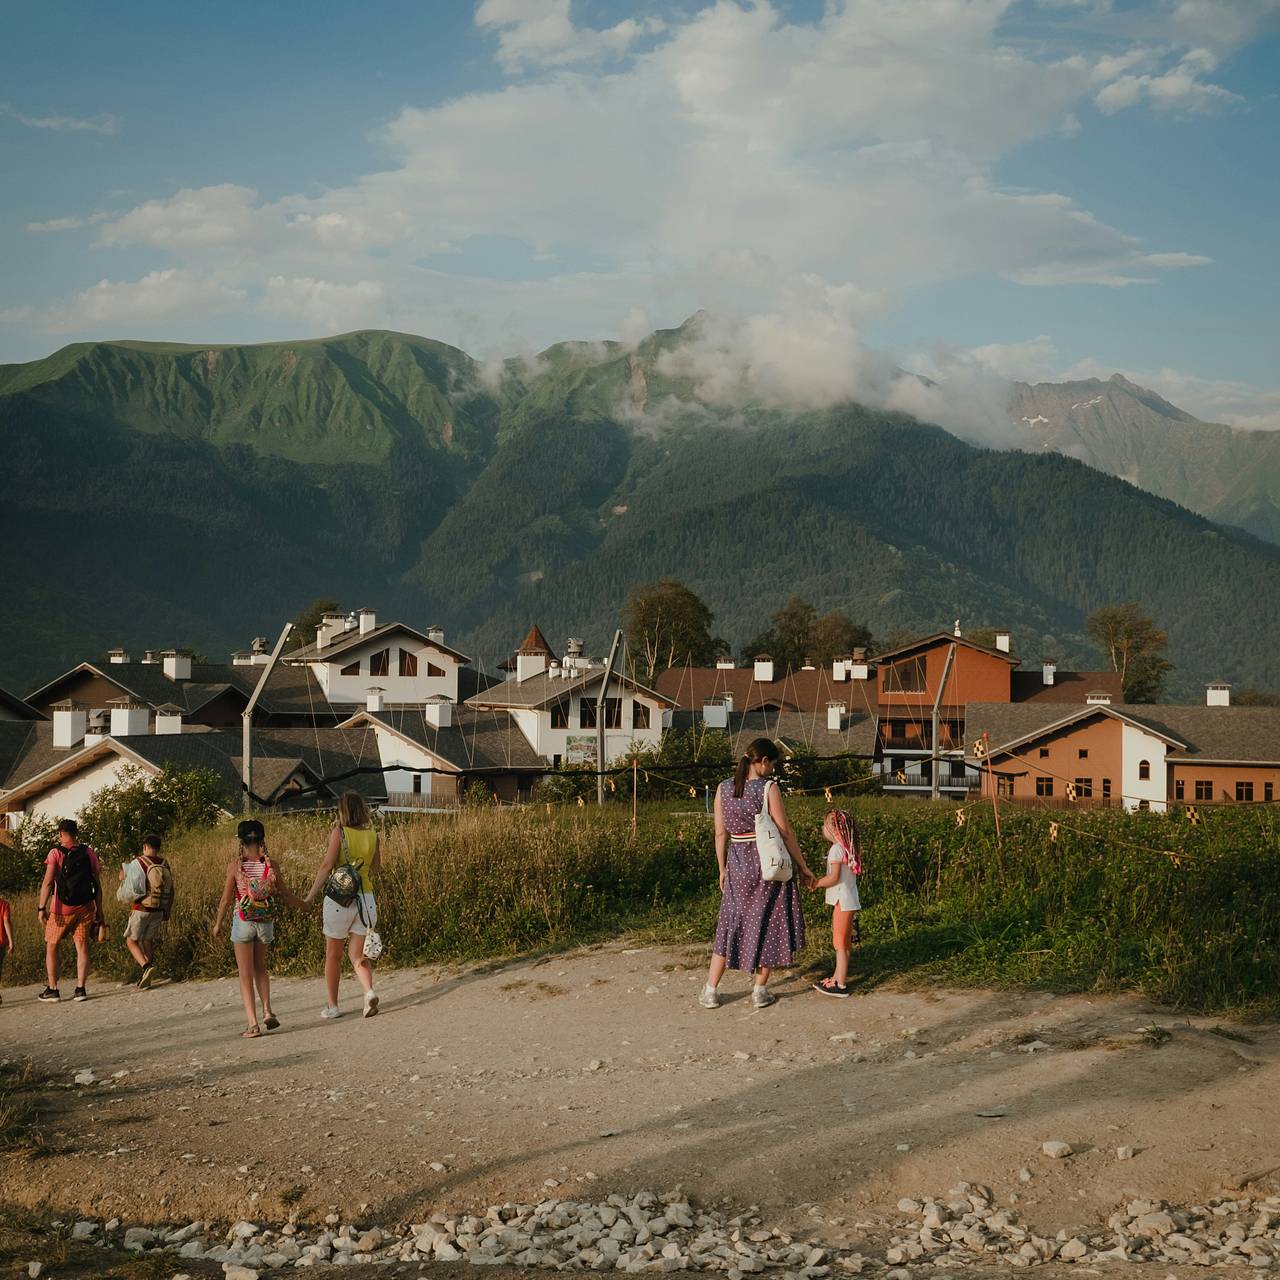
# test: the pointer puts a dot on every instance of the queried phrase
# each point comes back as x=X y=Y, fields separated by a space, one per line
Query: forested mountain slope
x=156 y=497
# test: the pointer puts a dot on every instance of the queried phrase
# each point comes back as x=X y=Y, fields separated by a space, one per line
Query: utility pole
x=600 y=704
x=246 y=720
x=934 y=790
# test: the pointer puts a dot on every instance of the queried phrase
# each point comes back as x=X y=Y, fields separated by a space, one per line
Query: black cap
x=251 y=831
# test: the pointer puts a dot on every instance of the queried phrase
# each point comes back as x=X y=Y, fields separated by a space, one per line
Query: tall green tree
x=305 y=624
x=793 y=627
x=668 y=625
x=836 y=635
x=1134 y=646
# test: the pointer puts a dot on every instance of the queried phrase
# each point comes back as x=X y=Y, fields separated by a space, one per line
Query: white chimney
x=807 y=665
x=435 y=635
x=177 y=664
x=531 y=664
x=839 y=669
x=95 y=733
x=149 y=657
x=1049 y=669
x=764 y=668
x=242 y=658
x=129 y=718
x=331 y=624
x=1098 y=698
x=258 y=654
x=438 y=712
x=956 y=630
x=117 y=656
x=715 y=713
x=858 y=667
x=69 y=723
x=373 y=699
x=368 y=620
x=1217 y=694
x=322 y=635
x=350 y=622
x=1003 y=641
x=724 y=662
x=168 y=718
x=835 y=716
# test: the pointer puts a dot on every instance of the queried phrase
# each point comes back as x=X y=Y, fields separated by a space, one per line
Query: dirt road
x=596 y=1070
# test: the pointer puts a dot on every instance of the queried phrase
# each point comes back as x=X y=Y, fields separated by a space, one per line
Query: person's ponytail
x=758 y=749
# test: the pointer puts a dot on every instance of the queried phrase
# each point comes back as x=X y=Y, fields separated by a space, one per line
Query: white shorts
x=342 y=922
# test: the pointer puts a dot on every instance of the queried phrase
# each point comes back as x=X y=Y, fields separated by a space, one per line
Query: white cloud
x=103 y=124
x=68 y=224
x=189 y=219
x=1180 y=89
x=325 y=304
x=159 y=295
x=535 y=33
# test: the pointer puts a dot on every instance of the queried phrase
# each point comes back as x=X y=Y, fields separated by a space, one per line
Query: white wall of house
x=412 y=760
x=66 y=799
x=551 y=742
x=395 y=687
x=1138 y=745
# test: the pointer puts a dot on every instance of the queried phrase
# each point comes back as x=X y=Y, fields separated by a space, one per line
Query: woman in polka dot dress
x=761 y=925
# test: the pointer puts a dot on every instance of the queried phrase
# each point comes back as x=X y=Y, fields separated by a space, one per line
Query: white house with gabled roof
x=352 y=655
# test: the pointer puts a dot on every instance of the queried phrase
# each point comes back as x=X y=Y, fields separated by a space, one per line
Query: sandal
x=251 y=1033
x=272 y=1023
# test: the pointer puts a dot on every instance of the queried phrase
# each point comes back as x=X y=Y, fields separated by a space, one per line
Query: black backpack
x=76 y=887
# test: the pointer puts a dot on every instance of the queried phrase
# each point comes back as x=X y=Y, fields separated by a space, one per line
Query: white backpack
x=775 y=861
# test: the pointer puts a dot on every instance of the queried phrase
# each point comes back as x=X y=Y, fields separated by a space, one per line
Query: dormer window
x=408 y=663
x=1144 y=770
x=436 y=673
x=906 y=677
x=351 y=669
x=380 y=663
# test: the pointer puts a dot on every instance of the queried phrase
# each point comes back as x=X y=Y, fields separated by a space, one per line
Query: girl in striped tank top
x=253 y=890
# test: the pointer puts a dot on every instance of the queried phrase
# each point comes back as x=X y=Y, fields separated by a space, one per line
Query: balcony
x=920 y=742
x=419 y=800
x=970 y=782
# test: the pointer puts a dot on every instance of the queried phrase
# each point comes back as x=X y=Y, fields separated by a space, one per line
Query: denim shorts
x=252 y=930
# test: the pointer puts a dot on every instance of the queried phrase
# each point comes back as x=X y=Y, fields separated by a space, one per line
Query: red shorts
x=76 y=921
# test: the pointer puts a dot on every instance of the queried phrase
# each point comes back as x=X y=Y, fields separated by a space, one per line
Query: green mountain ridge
x=163 y=494
x=1226 y=473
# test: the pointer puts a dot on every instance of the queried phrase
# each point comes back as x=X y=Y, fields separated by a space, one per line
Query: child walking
x=150 y=911
x=844 y=865
x=253 y=884
x=6 y=934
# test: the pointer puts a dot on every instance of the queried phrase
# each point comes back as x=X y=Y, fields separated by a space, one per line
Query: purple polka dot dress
x=760 y=922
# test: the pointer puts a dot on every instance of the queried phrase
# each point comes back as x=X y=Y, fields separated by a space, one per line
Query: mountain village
x=395 y=712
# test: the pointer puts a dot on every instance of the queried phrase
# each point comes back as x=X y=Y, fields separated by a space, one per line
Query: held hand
x=215 y=928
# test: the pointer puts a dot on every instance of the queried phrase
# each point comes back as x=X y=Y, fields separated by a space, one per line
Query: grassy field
x=1188 y=915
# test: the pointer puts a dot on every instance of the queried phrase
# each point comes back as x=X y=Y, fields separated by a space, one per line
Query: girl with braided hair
x=844 y=865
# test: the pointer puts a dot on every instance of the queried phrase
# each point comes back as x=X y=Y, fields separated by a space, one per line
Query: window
x=417 y=784
x=1044 y=753
x=1004 y=785
x=1204 y=789
x=351 y=669
x=560 y=715
x=640 y=716
x=1244 y=791
x=1044 y=786
x=408 y=663
x=436 y=673
x=1268 y=792
x=1179 y=789
x=1144 y=805
x=380 y=663
x=613 y=713
x=1084 y=788
x=1082 y=754
x=586 y=714
x=906 y=677
x=1106 y=788
x=1144 y=770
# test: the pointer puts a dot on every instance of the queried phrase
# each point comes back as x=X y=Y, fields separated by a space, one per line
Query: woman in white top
x=844 y=866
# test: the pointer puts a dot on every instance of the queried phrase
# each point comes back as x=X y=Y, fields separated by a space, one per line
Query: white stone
x=85 y=1077
x=83 y=1230
x=139 y=1238
x=1124 y=1153
x=1073 y=1249
x=234 y=1271
x=1056 y=1150
x=34 y=1269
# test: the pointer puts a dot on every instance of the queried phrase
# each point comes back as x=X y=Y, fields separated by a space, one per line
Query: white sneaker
x=370 y=1003
x=710 y=997
x=331 y=1011
x=762 y=997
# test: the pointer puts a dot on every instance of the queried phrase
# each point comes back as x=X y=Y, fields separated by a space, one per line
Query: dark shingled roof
x=16 y=708
x=792 y=729
x=346 y=640
x=475 y=740
x=1237 y=734
x=1067 y=686
x=691 y=687
x=1006 y=723
x=543 y=689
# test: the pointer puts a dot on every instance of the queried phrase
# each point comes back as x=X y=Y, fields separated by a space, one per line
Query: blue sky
x=982 y=189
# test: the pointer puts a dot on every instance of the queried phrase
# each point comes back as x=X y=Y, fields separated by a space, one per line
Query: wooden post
x=991 y=782
x=246 y=720
x=934 y=782
x=635 y=791
x=600 y=709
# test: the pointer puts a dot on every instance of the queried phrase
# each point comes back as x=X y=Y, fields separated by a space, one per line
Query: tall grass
x=1106 y=909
